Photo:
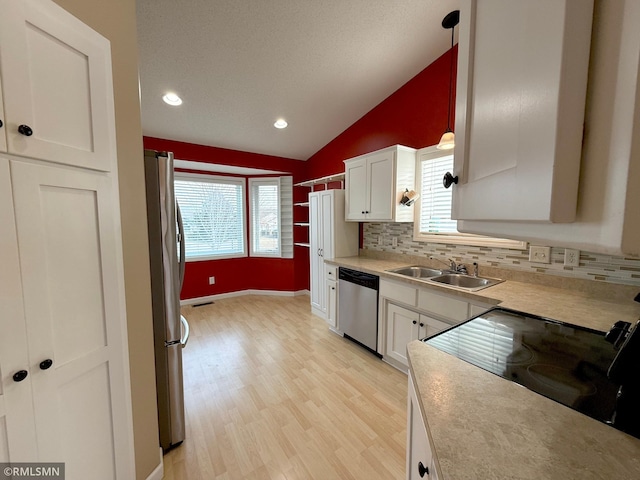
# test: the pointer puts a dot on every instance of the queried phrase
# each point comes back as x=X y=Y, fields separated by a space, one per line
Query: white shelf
x=302 y=244
x=301 y=204
x=338 y=177
x=301 y=224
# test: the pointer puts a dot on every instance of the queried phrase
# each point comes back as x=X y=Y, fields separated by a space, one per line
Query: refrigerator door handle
x=185 y=331
x=182 y=259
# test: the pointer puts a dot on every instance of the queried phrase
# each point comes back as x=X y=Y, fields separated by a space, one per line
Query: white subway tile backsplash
x=593 y=266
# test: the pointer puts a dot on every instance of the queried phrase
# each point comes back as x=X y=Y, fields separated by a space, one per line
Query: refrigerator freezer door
x=175 y=388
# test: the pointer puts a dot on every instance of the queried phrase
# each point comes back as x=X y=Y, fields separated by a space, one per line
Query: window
x=432 y=215
x=213 y=214
x=271 y=217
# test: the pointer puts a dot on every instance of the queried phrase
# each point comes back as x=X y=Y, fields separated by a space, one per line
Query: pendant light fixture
x=447 y=141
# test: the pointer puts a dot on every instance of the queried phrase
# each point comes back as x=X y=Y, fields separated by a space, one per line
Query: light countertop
x=580 y=306
x=483 y=426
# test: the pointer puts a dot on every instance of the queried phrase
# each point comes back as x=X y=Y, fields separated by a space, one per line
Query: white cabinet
x=332 y=303
x=410 y=312
x=64 y=384
x=56 y=80
x=329 y=236
x=608 y=195
x=521 y=89
x=375 y=183
x=421 y=463
x=403 y=326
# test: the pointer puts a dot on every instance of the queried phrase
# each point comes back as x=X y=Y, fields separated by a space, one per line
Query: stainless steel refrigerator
x=170 y=329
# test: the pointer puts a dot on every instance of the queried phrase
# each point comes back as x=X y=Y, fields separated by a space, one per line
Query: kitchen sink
x=417 y=272
x=467 y=282
x=446 y=277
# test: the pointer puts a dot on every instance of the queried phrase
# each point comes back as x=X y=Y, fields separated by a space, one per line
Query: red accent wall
x=236 y=274
x=415 y=115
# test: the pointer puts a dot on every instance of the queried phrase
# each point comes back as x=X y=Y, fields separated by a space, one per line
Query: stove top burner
x=563 y=362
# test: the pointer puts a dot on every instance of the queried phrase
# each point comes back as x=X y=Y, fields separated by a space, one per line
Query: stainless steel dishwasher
x=358 y=307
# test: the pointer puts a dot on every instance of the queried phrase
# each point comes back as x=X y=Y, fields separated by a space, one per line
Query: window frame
x=264 y=181
x=219 y=179
x=431 y=153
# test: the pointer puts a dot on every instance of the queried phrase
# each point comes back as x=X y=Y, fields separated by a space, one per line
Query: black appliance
x=572 y=365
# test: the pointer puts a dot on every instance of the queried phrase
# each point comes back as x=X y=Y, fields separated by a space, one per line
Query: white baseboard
x=158 y=472
x=219 y=296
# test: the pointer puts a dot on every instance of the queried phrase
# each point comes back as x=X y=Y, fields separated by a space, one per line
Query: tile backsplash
x=593 y=266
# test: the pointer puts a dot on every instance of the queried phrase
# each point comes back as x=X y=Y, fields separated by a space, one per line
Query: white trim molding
x=240 y=293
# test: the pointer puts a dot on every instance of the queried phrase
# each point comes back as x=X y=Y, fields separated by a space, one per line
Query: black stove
x=564 y=362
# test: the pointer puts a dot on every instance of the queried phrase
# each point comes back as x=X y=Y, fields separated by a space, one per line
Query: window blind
x=435 y=200
x=213 y=216
x=271 y=217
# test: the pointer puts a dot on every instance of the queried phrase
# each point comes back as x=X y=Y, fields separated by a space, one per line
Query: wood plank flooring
x=271 y=393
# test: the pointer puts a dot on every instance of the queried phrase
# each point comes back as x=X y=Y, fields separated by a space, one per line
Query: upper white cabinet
x=608 y=196
x=520 y=99
x=57 y=85
x=375 y=183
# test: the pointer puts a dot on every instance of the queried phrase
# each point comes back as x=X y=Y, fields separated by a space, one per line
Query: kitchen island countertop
x=483 y=426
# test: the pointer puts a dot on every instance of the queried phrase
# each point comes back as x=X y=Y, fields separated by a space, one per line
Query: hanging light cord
x=450 y=82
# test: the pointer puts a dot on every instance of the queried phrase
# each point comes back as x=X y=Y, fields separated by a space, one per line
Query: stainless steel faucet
x=453 y=266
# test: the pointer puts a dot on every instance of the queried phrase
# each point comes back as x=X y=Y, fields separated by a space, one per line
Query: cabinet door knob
x=25 y=130
x=333 y=288
x=422 y=470
x=20 y=375
x=363 y=212
x=421 y=324
x=1 y=124
x=415 y=321
x=46 y=364
x=449 y=180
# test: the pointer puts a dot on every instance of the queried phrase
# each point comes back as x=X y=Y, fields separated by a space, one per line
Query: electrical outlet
x=394 y=242
x=212 y=280
x=539 y=254
x=571 y=257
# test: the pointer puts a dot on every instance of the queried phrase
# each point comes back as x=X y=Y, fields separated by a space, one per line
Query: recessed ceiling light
x=172 y=99
x=280 y=123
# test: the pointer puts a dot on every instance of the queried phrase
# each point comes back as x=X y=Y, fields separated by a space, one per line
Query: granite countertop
x=589 y=304
x=483 y=426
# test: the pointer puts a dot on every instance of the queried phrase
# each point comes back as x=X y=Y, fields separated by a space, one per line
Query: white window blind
x=435 y=200
x=213 y=215
x=271 y=217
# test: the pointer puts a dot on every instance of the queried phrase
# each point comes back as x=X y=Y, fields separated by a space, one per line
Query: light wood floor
x=271 y=393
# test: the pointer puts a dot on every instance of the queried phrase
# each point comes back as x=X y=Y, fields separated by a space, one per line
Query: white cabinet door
x=356 y=188
x=418 y=448
x=380 y=184
x=315 y=246
x=56 y=75
x=17 y=429
x=327 y=222
x=521 y=88
x=66 y=229
x=332 y=303
x=402 y=327
x=430 y=326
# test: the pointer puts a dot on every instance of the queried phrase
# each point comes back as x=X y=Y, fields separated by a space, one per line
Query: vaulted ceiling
x=239 y=65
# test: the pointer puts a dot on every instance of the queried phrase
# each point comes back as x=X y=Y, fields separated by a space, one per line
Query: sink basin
x=417 y=272
x=465 y=281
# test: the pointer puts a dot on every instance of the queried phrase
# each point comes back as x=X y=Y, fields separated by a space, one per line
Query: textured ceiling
x=241 y=64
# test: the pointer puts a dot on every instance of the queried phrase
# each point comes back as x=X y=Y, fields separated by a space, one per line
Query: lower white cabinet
x=420 y=459
x=332 y=303
x=403 y=326
x=64 y=390
x=408 y=312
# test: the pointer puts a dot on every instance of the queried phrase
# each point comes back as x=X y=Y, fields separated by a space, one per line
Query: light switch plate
x=212 y=280
x=539 y=254
x=571 y=257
